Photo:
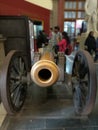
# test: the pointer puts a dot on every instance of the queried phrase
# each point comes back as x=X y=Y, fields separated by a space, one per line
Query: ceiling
x=48 y=4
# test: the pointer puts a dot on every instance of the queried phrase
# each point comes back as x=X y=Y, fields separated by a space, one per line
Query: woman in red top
x=63 y=44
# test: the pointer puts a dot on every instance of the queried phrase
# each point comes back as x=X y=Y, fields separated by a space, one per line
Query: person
x=75 y=45
x=58 y=34
x=64 y=44
x=96 y=50
x=51 y=37
x=57 y=38
x=41 y=40
x=91 y=9
x=45 y=36
x=90 y=43
x=50 y=33
x=78 y=38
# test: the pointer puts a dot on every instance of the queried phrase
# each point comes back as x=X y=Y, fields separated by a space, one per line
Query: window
x=81 y=14
x=69 y=14
x=69 y=27
x=81 y=5
x=73 y=11
x=70 y=5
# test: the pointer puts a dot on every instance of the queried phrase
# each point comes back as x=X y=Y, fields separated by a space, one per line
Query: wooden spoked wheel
x=84 y=83
x=13 y=81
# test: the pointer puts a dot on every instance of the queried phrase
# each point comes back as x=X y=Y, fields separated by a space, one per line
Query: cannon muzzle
x=45 y=72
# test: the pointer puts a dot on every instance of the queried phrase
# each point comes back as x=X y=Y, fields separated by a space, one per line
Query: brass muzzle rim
x=44 y=66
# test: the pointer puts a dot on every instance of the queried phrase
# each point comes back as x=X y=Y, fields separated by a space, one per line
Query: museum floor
x=50 y=112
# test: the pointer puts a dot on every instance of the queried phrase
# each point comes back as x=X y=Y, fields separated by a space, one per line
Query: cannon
x=46 y=70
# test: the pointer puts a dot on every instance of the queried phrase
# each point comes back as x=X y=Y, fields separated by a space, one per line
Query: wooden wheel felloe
x=13 y=81
x=84 y=83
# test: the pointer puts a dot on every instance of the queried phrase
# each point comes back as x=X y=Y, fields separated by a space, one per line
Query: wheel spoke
x=16 y=94
x=21 y=65
x=14 y=78
x=16 y=66
x=14 y=87
x=18 y=102
x=21 y=96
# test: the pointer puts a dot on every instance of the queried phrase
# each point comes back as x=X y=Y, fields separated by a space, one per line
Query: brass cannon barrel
x=45 y=72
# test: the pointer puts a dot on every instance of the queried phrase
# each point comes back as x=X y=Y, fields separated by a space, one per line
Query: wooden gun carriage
x=18 y=70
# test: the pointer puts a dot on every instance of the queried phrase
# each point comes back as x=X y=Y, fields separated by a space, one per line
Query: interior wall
x=61 y=14
x=21 y=7
x=54 y=14
x=57 y=14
